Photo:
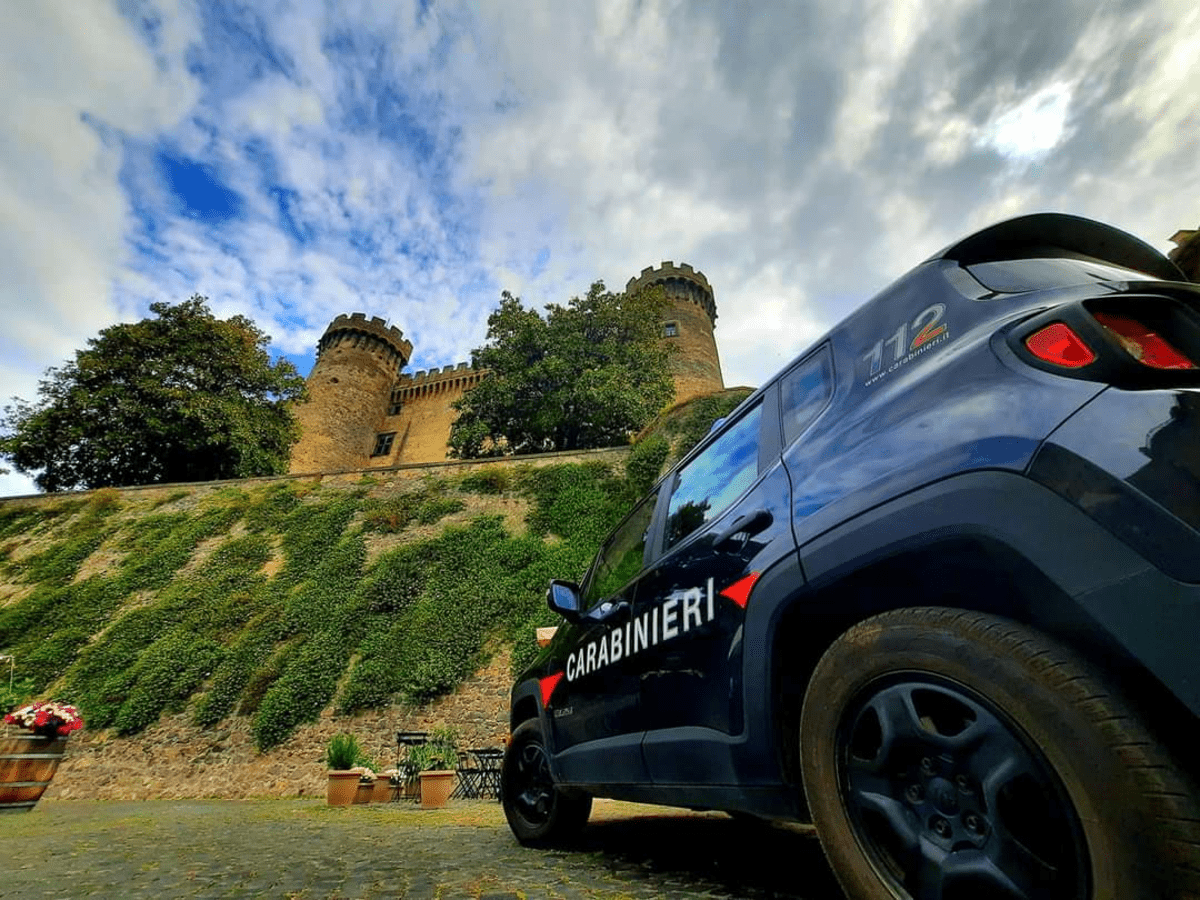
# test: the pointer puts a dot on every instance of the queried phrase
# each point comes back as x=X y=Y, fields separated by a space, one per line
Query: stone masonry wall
x=176 y=759
x=422 y=425
x=695 y=364
x=348 y=392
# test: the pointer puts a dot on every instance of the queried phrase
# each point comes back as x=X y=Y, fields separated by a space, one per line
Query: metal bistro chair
x=468 y=778
x=490 y=759
x=409 y=777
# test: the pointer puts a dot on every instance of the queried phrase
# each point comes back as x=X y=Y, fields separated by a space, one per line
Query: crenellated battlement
x=435 y=374
x=681 y=282
x=459 y=376
x=367 y=331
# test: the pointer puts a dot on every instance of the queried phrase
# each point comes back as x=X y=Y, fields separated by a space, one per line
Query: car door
x=595 y=712
x=688 y=608
x=727 y=519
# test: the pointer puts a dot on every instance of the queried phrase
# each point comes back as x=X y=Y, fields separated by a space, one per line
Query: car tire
x=950 y=753
x=539 y=813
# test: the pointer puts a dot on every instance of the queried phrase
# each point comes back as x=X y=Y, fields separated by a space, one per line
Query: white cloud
x=800 y=154
x=1033 y=126
x=63 y=213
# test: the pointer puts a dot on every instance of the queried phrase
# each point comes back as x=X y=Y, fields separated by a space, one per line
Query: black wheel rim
x=531 y=787
x=949 y=799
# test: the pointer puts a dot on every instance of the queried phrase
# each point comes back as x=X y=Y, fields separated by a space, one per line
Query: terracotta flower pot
x=364 y=792
x=342 y=787
x=27 y=764
x=436 y=787
x=383 y=790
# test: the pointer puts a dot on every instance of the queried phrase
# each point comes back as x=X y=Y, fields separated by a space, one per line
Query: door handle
x=749 y=525
x=609 y=610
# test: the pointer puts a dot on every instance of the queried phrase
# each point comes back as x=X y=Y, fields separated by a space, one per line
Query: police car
x=933 y=587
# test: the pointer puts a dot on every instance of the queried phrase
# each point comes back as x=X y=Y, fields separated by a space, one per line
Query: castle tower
x=1186 y=254
x=349 y=390
x=690 y=321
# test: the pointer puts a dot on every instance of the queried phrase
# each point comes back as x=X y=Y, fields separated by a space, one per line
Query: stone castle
x=365 y=412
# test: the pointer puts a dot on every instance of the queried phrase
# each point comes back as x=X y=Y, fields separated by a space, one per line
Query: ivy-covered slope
x=276 y=600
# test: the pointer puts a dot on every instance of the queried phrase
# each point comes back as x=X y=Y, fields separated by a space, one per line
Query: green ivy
x=576 y=501
x=164 y=676
x=302 y=691
x=244 y=656
x=151 y=633
x=266 y=674
x=488 y=480
x=394 y=514
x=270 y=510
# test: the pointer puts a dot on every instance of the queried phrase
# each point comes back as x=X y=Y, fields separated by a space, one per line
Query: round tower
x=349 y=390
x=690 y=321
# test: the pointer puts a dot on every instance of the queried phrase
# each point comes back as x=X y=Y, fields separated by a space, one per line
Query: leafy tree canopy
x=182 y=396
x=585 y=375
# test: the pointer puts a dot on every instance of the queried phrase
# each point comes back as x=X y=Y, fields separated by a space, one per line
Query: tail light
x=1058 y=345
x=1130 y=342
x=1143 y=343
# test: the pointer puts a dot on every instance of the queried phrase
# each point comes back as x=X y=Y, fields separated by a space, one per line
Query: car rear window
x=1015 y=276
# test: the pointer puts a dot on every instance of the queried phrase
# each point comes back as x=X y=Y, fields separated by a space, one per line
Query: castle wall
x=363 y=413
x=422 y=424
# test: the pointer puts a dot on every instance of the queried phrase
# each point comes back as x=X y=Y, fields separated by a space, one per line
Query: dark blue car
x=933 y=587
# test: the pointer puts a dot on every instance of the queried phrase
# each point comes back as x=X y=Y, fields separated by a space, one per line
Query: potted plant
x=31 y=748
x=387 y=784
x=436 y=761
x=365 y=767
x=340 y=756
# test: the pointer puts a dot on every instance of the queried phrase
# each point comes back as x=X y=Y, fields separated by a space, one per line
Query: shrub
x=342 y=752
x=104 y=500
x=645 y=463
x=698 y=420
x=487 y=480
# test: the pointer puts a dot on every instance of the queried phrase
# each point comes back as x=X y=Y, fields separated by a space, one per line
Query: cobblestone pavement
x=304 y=849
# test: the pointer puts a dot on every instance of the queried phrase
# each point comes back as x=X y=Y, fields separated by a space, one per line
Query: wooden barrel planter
x=27 y=765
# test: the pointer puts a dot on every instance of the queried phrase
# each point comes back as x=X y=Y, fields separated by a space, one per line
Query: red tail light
x=1059 y=345
x=1143 y=343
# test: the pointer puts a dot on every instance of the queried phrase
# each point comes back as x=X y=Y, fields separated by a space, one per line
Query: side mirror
x=717 y=423
x=563 y=598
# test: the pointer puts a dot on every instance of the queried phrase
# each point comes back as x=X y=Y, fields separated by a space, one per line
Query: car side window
x=620 y=559
x=707 y=485
x=804 y=392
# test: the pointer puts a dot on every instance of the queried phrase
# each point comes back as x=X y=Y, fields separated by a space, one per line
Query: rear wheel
x=538 y=812
x=953 y=754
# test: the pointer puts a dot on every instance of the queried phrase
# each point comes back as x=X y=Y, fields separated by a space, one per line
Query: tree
x=586 y=375
x=182 y=396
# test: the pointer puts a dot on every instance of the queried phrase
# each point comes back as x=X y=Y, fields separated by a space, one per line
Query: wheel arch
x=961 y=544
x=525 y=705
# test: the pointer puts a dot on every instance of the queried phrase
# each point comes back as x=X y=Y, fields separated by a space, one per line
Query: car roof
x=1017 y=237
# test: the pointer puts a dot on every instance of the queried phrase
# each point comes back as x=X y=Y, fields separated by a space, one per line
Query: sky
x=411 y=159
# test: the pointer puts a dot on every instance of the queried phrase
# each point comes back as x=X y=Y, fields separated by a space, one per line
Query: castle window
x=671 y=329
x=395 y=405
x=383 y=444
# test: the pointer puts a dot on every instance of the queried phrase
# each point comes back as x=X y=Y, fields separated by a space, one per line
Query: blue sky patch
x=197 y=189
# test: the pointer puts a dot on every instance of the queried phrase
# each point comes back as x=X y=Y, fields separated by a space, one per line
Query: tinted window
x=1014 y=276
x=620 y=559
x=803 y=393
x=715 y=478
